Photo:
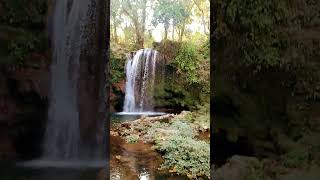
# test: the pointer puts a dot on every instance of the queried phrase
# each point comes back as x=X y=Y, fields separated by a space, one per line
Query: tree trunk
x=139 y=37
x=138 y=26
x=202 y=17
x=115 y=36
x=181 y=32
x=204 y=25
x=166 y=27
x=144 y=17
x=172 y=32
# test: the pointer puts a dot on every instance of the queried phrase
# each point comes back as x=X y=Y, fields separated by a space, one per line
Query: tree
x=173 y=12
x=135 y=10
x=203 y=10
x=115 y=17
x=183 y=17
x=163 y=14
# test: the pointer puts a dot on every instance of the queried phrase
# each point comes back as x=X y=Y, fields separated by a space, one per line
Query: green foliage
x=184 y=154
x=170 y=11
x=295 y=158
x=177 y=139
x=257 y=172
x=22 y=27
x=129 y=38
x=148 y=40
x=193 y=65
x=187 y=61
x=183 y=129
x=21 y=46
x=115 y=12
x=133 y=138
x=24 y=13
x=253 y=21
x=117 y=64
x=200 y=118
x=18 y=48
x=184 y=116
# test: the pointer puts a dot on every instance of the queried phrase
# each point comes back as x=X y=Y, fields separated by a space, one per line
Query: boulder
x=237 y=168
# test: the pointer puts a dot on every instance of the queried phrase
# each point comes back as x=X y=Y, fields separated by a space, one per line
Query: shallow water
x=38 y=171
x=146 y=113
x=119 y=117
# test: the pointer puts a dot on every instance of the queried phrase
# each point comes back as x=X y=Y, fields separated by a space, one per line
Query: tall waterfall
x=62 y=138
x=140 y=81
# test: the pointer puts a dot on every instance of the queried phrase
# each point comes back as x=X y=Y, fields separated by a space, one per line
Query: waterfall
x=62 y=138
x=140 y=81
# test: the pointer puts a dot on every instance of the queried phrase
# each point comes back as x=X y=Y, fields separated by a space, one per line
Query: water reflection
x=144 y=175
x=115 y=173
x=18 y=172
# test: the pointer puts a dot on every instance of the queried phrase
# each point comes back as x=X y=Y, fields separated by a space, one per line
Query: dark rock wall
x=93 y=86
x=273 y=105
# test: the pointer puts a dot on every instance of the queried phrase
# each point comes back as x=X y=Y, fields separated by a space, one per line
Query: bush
x=295 y=158
x=187 y=61
x=187 y=156
x=132 y=138
x=254 y=28
x=117 y=64
x=184 y=154
x=200 y=118
x=24 y=13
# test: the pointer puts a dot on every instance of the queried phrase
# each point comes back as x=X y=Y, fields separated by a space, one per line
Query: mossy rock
x=237 y=168
x=311 y=173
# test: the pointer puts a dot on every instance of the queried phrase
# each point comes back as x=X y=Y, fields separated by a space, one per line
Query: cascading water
x=62 y=138
x=140 y=81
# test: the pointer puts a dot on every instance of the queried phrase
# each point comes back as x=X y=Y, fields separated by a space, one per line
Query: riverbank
x=175 y=145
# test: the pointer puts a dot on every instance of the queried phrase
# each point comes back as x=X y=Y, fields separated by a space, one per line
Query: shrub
x=187 y=61
x=182 y=153
x=295 y=158
x=117 y=63
x=132 y=138
x=187 y=156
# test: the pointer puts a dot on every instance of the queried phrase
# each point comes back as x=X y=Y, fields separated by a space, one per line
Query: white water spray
x=140 y=81
x=62 y=138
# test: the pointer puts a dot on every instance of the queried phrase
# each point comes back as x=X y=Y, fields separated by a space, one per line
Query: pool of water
x=119 y=117
x=146 y=113
x=49 y=171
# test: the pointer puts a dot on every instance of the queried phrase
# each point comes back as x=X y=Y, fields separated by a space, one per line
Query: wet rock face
x=8 y=107
x=7 y=148
x=88 y=98
x=34 y=77
x=314 y=120
x=117 y=96
x=23 y=106
x=92 y=86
